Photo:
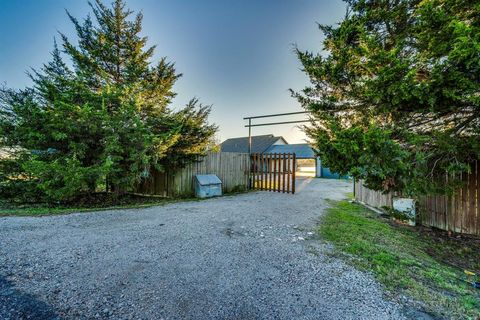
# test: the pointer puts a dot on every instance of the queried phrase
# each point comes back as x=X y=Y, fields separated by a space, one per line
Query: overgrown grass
x=399 y=258
x=42 y=210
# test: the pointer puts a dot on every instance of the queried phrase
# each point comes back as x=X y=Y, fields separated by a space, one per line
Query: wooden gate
x=273 y=172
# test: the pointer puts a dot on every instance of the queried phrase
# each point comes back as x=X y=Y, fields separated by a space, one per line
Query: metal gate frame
x=255 y=157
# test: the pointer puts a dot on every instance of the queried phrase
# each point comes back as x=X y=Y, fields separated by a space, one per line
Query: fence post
x=294 y=163
x=284 y=158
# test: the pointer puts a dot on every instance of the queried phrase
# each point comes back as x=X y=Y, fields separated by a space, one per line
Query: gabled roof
x=259 y=143
x=301 y=150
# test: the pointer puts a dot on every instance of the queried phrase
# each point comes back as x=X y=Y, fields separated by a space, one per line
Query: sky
x=234 y=55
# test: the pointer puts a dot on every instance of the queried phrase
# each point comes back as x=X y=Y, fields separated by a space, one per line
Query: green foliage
x=401 y=260
x=85 y=203
x=103 y=121
x=396 y=100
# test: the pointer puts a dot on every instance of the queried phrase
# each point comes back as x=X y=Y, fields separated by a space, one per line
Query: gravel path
x=250 y=256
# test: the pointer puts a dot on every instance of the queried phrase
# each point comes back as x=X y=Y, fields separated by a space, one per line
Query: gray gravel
x=250 y=256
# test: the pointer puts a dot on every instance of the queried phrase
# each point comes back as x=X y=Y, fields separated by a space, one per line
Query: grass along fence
x=459 y=212
x=231 y=168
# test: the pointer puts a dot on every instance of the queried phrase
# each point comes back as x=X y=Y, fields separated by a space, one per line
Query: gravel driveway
x=250 y=256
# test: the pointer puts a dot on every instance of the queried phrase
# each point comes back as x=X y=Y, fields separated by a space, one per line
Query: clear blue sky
x=236 y=55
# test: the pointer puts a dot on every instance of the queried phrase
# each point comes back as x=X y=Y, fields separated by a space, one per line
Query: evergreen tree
x=396 y=100
x=104 y=116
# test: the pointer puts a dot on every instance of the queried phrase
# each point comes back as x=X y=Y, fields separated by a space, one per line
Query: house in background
x=308 y=164
x=260 y=144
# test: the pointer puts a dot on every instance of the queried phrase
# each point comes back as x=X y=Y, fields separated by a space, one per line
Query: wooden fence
x=231 y=168
x=459 y=212
x=373 y=198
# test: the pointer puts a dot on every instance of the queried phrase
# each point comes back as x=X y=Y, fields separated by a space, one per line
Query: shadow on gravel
x=15 y=304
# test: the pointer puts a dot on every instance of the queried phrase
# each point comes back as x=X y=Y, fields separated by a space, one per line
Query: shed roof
x=259 y=143
x=207 y=179
x=301 y=150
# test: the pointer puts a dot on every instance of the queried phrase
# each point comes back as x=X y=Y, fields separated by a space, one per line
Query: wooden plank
x=471 y=213
x=294 y=169
x=255 y=171
x=264 y=171
x=420 y=212
x=265 y=168
x=477 y=204
x=261 y=170
x=258 y=172
x=451 y=208
x=458 y=208
x=279 y=174
x=439 y=211
x=275 y=187
x=289 y=188
x=283 y=171
x=270 y=166
x=431 y=209
x=444 y=201
x=259 y=178
x=464 y=207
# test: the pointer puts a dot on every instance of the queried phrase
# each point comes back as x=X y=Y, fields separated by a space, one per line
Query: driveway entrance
x=251 y=256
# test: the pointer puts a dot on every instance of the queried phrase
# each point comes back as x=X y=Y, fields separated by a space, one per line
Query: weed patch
x=405 y=260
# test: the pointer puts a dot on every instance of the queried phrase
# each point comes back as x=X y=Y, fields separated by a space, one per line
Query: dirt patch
x=460 y=251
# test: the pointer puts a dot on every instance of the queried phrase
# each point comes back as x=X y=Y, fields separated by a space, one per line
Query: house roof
x=301 y=150
x=259 y=143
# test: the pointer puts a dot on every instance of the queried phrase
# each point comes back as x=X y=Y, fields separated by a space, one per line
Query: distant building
x=308 y=164
x=260 y=144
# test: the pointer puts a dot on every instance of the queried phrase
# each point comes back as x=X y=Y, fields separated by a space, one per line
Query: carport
x=307 y=164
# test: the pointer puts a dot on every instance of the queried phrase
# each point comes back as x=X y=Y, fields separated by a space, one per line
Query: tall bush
x=395 y=96
x=102 y=118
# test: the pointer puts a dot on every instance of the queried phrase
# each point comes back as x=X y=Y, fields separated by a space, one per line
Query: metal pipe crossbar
x=276 y=115
x=274 y=123
x=250 y=125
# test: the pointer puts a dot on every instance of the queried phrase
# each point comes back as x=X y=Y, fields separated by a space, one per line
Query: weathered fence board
x=373 y=198
x=459 y=212
x=231 y=168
